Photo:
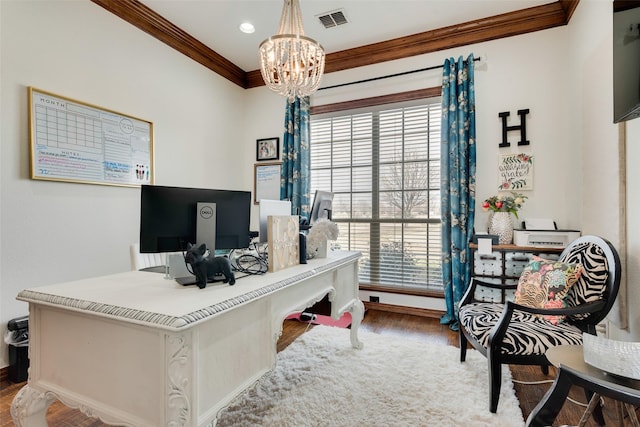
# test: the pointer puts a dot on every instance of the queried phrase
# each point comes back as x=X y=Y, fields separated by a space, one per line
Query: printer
x=543 y=233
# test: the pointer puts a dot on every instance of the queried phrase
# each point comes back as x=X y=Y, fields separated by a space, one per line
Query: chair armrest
x=467 y=297
x=585 y=308
x=499 y=330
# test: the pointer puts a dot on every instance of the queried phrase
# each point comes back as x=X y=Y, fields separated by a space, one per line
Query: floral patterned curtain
x=458 y=181
x=294 y=178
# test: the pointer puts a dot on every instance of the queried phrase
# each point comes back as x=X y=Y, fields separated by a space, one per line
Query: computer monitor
x=271 y=208
x=169 y=217
x=322 y=206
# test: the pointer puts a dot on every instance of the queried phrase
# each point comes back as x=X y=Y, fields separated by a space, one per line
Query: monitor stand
x=155 y=269
x=206 y=225
x=205 y=233
x=186 y=281
x=175 y=266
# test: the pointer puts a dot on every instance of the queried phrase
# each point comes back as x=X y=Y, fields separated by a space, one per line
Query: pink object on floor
x=342 y=322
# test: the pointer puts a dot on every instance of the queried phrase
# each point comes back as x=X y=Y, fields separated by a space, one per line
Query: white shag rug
x=320 y=380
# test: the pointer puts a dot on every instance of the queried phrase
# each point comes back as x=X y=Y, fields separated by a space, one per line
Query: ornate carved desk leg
x=179 y=362
x=357 y=314
x=29 y=407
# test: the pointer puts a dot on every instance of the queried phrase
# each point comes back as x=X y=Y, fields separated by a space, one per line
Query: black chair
x=515 y=334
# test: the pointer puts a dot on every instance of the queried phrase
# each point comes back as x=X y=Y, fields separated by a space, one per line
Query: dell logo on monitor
x=206 y=212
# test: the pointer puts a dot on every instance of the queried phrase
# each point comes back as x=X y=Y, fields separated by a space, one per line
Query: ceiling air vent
x=333 y=19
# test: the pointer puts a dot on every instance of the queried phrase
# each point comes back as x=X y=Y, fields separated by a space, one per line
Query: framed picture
x=89 y=134
x=268 y=149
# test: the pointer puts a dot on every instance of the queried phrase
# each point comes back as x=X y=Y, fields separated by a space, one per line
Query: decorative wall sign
x=283 y=241
x=515 y=172
x=74 y=141
x=522 y=127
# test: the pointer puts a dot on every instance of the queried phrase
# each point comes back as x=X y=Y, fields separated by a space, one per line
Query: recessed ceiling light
x=247 y=27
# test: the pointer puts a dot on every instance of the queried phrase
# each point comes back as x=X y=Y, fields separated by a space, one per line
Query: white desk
x=139 y=350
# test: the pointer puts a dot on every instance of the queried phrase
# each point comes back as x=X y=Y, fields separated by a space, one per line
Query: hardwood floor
x=385 y=323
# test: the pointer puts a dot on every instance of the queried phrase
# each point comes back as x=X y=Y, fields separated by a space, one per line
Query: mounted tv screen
x=169 y=217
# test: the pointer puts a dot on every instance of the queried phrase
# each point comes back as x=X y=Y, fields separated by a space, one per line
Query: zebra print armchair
x=515 y=334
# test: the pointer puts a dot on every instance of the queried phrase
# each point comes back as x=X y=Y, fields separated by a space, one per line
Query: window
x=383 y=166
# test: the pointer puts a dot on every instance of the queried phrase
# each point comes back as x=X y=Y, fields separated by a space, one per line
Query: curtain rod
x=435 y=67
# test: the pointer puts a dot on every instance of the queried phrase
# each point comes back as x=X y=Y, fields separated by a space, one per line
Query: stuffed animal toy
x=205 y=267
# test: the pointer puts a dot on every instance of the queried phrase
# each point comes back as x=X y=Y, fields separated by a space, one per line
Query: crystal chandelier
x=291 y=63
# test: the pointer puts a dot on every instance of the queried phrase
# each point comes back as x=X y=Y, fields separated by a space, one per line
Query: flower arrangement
x=504 y=203
x=321 y=231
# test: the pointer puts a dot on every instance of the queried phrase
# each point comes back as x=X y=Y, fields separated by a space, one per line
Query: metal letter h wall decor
x=522 y=127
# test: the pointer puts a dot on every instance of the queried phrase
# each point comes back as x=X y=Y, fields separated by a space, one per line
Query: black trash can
x=17 y=337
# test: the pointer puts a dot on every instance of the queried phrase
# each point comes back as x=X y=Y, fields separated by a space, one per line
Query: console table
x=504 y=265
x=136 y=349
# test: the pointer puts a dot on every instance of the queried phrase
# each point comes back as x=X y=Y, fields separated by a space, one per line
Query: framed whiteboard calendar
x=73 y=141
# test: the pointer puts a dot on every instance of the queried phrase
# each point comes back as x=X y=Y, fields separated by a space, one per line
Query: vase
x=322 y=250
x=501 y=224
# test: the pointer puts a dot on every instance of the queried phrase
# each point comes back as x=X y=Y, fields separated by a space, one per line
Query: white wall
x=264 y=114
x=592 y=81
x=591 y=90
x=53 y=232
x=633 y=236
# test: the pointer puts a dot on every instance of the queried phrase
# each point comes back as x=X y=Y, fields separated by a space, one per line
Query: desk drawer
x=488 y=264
x=515 y=262
x=485 y=294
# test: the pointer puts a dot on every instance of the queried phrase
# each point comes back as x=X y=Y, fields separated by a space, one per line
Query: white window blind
x=383 y=166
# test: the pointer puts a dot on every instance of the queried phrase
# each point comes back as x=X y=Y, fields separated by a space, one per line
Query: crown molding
x=480 y=30
x=139 y=15
x=495 y=27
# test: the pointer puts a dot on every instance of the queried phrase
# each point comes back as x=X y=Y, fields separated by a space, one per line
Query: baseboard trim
x=400 y=309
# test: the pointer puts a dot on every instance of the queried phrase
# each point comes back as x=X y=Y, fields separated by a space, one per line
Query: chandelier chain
x=291 y=19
